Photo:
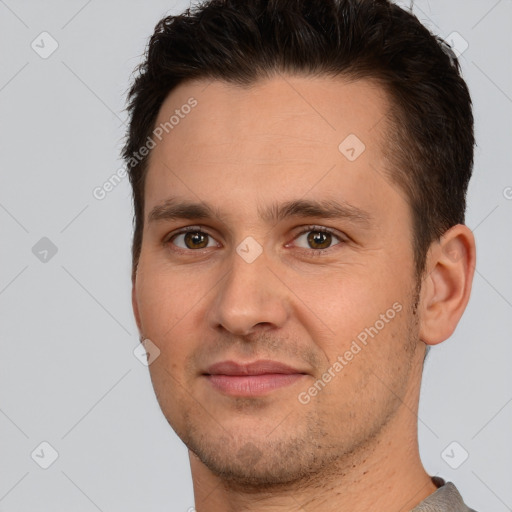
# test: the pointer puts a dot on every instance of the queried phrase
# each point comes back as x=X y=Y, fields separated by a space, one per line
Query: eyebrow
x=327 y=209
x=173 y=208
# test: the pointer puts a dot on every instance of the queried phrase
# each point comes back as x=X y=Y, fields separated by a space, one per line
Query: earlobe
x=447 y=285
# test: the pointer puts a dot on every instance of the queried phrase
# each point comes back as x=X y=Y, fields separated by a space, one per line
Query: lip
x=251 y=379
x=260 y=367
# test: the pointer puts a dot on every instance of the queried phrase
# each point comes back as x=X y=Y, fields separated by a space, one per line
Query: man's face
x=268 y=275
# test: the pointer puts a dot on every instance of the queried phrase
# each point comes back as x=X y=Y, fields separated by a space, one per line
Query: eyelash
x=307 y=229
x=189 y=229
x=319 y=229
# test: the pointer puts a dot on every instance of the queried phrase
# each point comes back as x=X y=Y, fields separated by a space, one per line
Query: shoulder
x=446 y=499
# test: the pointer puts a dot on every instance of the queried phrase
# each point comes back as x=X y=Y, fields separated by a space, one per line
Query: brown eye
x=196 y=240
x=193 y=240
x=319 y=239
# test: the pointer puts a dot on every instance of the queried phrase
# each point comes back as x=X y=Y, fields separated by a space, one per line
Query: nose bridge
x=250 y=294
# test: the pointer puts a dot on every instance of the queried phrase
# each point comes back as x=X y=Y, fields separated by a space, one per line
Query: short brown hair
x=241 y=41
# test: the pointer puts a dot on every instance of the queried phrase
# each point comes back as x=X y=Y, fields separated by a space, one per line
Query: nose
x=249 y=298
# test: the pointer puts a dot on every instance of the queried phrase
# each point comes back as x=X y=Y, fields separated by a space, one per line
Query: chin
x=257 y=463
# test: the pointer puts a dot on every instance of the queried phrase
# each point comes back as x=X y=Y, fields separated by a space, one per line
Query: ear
x=135 y=306
x=446 y=288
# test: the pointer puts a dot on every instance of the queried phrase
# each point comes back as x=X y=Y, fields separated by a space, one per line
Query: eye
x=317 y=238
x=192 y=239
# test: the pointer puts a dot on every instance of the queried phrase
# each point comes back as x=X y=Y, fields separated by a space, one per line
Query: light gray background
x=68 y=375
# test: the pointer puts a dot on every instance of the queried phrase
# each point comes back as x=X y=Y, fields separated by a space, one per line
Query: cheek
x=346 y=300
x=164 y=299
x=166 y=303
x=173 y=304
x=369 y=365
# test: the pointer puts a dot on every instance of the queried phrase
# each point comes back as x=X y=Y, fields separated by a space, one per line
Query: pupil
x=319 y=239
x=195 y=240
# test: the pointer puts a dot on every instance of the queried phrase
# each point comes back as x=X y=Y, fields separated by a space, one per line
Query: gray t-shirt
x=445 y=499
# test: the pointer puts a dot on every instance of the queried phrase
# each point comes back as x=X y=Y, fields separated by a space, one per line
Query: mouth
x=252 y=379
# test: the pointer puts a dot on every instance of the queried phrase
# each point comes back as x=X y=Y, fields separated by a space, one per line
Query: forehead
x=318 y=109
x=282 y=136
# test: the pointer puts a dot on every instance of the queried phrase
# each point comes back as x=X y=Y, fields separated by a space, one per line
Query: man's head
x=301 y=203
